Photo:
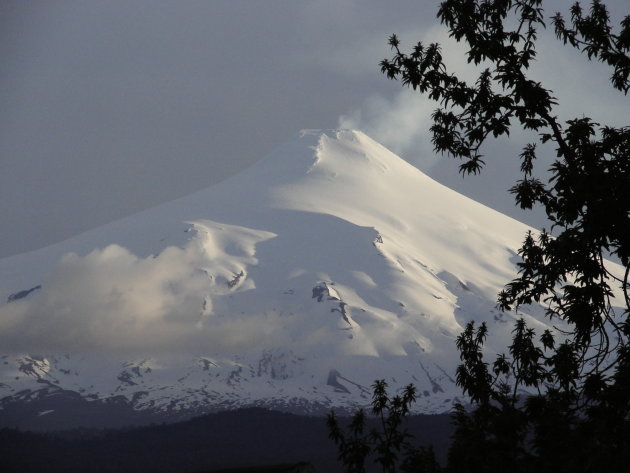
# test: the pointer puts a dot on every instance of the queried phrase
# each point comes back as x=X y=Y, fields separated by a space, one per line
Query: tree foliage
x=388 y=445
x=558 y=400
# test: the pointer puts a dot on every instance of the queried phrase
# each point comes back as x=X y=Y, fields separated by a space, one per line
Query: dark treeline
x=239 y=438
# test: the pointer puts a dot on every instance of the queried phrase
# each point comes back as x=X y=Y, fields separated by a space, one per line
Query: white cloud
x=401 y=124
x=114 y=301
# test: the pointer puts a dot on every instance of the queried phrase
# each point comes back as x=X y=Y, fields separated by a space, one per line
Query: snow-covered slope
x=328 y=264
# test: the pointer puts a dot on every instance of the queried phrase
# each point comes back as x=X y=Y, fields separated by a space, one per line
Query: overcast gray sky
x=111 y=107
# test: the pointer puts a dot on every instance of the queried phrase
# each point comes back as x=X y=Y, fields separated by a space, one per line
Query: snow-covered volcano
x=296 y=283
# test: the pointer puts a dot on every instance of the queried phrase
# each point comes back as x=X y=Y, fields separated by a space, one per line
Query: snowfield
x=294 y=284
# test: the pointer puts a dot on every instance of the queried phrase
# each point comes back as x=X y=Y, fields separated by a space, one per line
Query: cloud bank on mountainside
x=111 y=300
